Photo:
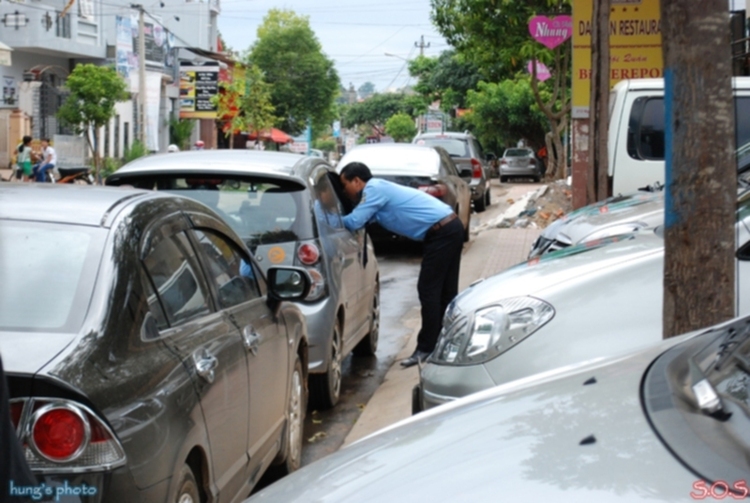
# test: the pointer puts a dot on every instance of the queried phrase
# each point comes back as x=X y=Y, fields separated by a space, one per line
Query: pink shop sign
x=542 y=72
x=551 y=32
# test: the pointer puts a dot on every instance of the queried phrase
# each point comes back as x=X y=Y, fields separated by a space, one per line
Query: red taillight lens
x=437 y=190
x=476 y=168
x=308 y=254
x=59 y=433
x=16 y=408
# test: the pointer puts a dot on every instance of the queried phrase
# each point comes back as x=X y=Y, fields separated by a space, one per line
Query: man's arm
x=372 y=201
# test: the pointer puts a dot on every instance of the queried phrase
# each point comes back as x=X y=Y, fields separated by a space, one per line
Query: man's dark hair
x=46 y=139
x=356 y=170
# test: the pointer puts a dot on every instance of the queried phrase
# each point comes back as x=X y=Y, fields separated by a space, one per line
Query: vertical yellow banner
x=635 y=46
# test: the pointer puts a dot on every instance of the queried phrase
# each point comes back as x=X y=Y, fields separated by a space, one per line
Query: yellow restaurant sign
x=634 y=44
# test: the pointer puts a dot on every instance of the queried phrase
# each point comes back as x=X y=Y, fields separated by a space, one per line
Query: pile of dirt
x=543 y=207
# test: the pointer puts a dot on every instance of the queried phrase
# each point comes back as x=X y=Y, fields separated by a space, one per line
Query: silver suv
x=472 y=163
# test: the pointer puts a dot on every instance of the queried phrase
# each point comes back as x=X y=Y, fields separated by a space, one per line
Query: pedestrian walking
x=416 y=215
x=23 y=159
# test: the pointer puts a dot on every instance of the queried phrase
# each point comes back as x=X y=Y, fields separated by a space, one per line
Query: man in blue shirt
x=416 y=215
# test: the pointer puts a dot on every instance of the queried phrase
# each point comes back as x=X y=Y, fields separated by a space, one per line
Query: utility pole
x=701 y=170
x=421 y=45
x=597 y=181
x=141 y=73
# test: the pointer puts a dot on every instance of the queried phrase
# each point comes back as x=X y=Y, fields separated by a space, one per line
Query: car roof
x=446 y=134
x=240 y=161
x=374 y=153
x=63 y=203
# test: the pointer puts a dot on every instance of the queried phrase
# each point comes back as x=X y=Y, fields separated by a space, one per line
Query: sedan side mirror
x=287 y=283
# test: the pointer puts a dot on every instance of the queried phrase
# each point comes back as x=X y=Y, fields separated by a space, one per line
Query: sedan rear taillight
x=437 y=190
x=476 y=168
x=63 y=435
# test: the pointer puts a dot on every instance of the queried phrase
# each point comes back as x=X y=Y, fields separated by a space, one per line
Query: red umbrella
x=274 y=135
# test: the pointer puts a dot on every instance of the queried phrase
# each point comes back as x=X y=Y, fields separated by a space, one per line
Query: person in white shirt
x=49 y=161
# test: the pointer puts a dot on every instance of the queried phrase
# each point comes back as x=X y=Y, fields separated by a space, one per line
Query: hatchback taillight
x=476 y=168
x=437 y=190
x=308 y=253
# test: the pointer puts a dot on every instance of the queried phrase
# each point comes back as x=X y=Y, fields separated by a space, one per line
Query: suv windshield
x=48 y=273
x=454 y=146
x=260 y=210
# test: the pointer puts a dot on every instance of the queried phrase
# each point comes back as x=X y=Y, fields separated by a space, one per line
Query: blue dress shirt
x=402 y=210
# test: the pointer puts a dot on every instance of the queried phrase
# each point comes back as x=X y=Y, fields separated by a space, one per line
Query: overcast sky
x=355 y=34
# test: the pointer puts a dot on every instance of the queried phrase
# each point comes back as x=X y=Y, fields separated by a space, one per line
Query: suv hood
x=552 y=269
x=578 y=436
x=639 y=209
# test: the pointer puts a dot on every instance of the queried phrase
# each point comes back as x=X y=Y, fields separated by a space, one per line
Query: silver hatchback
x=520 y=162
x=288 y=210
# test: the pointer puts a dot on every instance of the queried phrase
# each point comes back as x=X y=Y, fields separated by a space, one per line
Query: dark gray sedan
x=148 y=358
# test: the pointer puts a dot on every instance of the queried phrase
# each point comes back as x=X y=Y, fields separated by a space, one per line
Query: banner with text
x=634 y=42
x=198 y=83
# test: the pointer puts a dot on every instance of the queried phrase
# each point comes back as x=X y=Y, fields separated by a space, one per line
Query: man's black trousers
x=438 y=279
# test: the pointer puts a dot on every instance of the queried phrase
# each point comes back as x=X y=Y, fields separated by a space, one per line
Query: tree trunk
x=701 y=173
x=597 y=182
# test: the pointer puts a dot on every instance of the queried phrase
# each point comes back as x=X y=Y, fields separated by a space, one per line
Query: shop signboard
x=199 y=82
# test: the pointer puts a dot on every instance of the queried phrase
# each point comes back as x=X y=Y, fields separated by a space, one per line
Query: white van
x=636 y=131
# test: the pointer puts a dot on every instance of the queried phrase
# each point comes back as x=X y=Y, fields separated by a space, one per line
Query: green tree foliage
x=366 y=90
x=135 y=151
x=447 y=78
x=244 y=103
x=494 y=35
x=401 y=128
x=304 y=83
x=94 y=91
x=503 y=113
x=374 y=111
x=325 y=144
x=180 y=131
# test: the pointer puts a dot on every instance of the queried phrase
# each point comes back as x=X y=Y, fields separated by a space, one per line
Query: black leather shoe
x=416 y=357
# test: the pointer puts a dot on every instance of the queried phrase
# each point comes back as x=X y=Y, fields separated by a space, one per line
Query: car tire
x=325 y=389
x=481 y=204
x=416 y=402
x=369 y=344
x=187 y=487
x=293 y=432
x=503 y=179
x=487 y=197
x=467 y=232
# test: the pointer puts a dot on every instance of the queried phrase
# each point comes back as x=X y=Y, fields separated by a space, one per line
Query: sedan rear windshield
x=454 y=146
x=517 y=152
x=48 y=273
x=260 y=210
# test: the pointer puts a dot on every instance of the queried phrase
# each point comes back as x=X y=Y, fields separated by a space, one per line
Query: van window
x=646 y=127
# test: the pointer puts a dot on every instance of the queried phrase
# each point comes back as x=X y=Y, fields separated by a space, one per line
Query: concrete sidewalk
x=492 y=250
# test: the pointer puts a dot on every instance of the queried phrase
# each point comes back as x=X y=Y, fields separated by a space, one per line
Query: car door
x=209 y=345
x=232 y=277
x=345 y=251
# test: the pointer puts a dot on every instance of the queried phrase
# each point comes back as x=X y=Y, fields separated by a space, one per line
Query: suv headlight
x=491 y=331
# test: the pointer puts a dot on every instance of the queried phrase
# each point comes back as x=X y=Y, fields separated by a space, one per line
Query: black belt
x=442 y=223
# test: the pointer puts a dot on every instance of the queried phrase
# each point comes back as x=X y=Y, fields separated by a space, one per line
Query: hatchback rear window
x=48 y=273
x=454 y=146
x=259 y=210
x=517 y=152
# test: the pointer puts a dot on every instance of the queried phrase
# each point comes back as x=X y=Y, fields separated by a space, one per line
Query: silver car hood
x=533 y=276
x=618 y=214
x=576 y=437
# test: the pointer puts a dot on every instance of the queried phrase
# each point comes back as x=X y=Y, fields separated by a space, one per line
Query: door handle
x=205 y=364
x=251 y=339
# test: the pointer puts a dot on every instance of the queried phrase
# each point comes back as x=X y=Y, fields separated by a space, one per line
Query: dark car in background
x=519 y=162
x=287 y=208
x=147 y=355
x=472 y=163
x=429 y=169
